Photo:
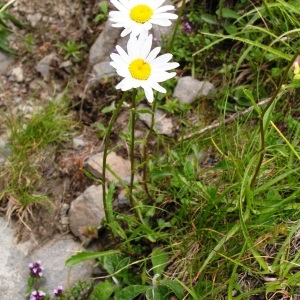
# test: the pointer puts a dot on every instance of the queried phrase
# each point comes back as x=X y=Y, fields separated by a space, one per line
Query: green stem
x=107 y=205
x=261 y=121
x=132 y=199
x=176 y=26
x=145 y=153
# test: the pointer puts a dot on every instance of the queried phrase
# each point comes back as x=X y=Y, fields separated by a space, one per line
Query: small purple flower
x=36 y=270
x=187 y=27
x=58 y=291
x=37 y=295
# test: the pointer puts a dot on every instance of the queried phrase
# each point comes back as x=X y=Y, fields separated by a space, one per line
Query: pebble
x=189 y=89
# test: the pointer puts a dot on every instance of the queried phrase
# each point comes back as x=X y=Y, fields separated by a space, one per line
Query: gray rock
x=103 y=70
x=53 y=256
x=17 y=74
x=5 y=61
x=43 y=66
x=5 y=149
x=162 y=124
x=118 y=164
x=78 y=143
x=13 y=266
x=34 y=19
x=86 y=210
x=189 y=89
x=15 y=258
x=104 y=45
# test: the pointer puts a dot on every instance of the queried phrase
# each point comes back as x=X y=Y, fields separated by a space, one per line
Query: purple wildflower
x=37 y=295
x=58 y=291
x=187 y=27
x=36 y=270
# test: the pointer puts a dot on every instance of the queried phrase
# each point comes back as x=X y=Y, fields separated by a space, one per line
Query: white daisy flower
x=141 y=67
x=137 y=16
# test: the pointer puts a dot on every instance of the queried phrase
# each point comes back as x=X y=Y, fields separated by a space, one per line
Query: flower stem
x=131 y=149
x=176 y=26
x=145 y=153
x=106 y=203
x=261 y=121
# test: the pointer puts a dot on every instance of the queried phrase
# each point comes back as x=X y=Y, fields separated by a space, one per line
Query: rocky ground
x=37 y=74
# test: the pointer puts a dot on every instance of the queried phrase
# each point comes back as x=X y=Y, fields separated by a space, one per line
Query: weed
x=72 y=50
x=28 y=140
x=5 y=31
x=102 y=14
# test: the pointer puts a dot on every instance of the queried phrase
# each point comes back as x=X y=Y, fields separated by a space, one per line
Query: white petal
x=126 y=4
x=156 y=86
x=148 y=92
x=163 y=16
x=157 y=3
x=145 y=50
x=163 y=9
x=152 y=55
x=166 y=67
x=161 y=22
x=161 y=60
x=123 y=54
x=126 y=31
x=131 y=46
x=163 y=76
x=119 y=6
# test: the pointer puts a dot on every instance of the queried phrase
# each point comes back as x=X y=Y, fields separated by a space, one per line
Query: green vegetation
x=72 y=50
x=31 y=141
x=227 y=222
x=5 y=20
x=217 y=213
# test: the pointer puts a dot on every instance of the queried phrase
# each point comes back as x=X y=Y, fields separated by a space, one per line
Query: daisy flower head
x=141 y=67
x=137 y=16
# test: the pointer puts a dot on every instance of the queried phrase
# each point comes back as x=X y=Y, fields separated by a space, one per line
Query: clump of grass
x=32 y=144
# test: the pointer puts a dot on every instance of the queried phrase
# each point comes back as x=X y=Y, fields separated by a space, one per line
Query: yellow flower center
x=141 y=13
x=139 y=69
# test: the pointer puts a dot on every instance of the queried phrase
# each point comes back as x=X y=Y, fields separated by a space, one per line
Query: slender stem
x=106 y=203
x=261 y=120
x=132 y=199
x=145 y=152
x=132 y=127
x=7 y=5
x=176 y=26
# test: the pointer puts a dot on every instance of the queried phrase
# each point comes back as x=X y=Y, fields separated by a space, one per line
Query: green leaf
x=109 y=108
x=210 y=19
x=227 y=13
x=249 y=95
x=86 y=255
x=159 y=259
x=130 y=292
x=174 y=287
x=103 y=291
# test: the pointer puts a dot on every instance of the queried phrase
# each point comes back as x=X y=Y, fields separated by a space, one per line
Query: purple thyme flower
x=187 y=27
x=58 y=291
x=36 y=270
x=37 y=295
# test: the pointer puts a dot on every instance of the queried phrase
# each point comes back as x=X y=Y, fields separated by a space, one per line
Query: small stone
x=87 y=210
x=17 y=74
x=5 y=150
x=78 y=143
x=162 y=124
x=43 y=66
x=118 y=164
x=34 y=19
x=66 y=65
x=189 y=89
x=103 y=70
x=5 y=61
